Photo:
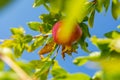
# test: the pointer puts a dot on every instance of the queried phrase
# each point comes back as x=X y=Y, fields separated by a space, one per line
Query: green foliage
x=34 y=26
x=100 y=4
x=39 y=2
x=17 y=31
x=91 y=18
x=59 y=73
x=115 y=8
x=106 y=4
x=41 y=67
x=94 y=56
x=73 y=11
x=37 y=43
x=85 y=34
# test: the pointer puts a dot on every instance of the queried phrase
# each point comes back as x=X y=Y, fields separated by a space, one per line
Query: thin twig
x=36 y=36
x=56 y=52
x=15 y=67
x=45 y=35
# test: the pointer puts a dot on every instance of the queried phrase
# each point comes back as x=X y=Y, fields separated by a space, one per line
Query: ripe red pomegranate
x=59 y=35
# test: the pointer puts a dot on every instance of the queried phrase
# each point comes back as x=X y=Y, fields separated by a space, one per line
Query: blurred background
x=15 y=13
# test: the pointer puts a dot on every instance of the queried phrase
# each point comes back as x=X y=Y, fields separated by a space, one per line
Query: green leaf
x=58 y=72
x=28 y=38
x=85 y=19
x=112 y=34
x=37 y=43
x=39 y=2
x=37 y=64
x=91 y=18
x=44 y=70
x=102 y=44
x=77 y=76
x=106 y=4
x=98 y=76
x=84 y=45
x=26 y=67
x=85 y=34
x=18 y=49
x=34 y=26
x=80 y=61
x=42 y=67
x=115 y=45
x=85 y=30
x=8 y=43
x=94 y=56
x=115 y=9
x=99 y=5
x=17 y=31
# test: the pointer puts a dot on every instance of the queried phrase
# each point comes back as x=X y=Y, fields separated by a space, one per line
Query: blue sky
x=20 y=12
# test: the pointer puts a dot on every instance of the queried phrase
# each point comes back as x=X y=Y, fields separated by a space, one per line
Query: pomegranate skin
x=74 y=36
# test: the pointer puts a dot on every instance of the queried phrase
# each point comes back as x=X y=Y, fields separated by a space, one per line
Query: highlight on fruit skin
x=59 y=33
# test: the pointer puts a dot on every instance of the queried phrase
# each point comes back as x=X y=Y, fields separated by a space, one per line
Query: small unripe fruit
x=59 y=38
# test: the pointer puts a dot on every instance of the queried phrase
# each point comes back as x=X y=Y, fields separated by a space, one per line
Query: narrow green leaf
x=34 y=26
x=85 y=34
x=115 y=9
x=99 y=5
x=84 y=46
x=85 y=29
x=91 y=18
x=106 y=4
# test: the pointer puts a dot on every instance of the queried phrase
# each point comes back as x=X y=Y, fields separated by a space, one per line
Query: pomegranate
x=59 y=35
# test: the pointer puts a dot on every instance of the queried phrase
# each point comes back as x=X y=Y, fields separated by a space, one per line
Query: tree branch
x=15 y=67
